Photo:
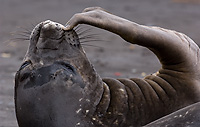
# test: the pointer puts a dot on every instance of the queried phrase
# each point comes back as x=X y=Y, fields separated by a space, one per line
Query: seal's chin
x=49 y=43
x=47 y=95
x=56 y=76
x=61 y=73
x=49 y=35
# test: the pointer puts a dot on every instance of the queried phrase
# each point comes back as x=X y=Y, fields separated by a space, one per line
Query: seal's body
x=52 y=80
x=58 y=87
x=185 y=117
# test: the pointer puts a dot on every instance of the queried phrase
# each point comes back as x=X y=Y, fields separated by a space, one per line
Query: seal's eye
x=24 y=76
x=67 y=66
x=25 y=64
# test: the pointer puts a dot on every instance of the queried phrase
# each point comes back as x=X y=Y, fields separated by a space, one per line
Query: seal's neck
x=94 y=85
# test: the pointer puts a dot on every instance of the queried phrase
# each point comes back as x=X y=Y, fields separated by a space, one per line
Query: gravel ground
x=113 y=57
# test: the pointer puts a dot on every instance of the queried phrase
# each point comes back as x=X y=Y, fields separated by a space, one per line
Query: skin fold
x=174 y=86
x=57 y=86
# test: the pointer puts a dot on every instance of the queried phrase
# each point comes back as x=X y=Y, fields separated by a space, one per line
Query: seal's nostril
x=46 y=22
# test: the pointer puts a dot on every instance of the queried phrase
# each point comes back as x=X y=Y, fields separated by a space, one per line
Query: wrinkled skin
x=70 y=92
x=53 y=84
x=185 y=117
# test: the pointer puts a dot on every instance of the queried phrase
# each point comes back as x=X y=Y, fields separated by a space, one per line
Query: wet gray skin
x=55 y=81
x=57 y=86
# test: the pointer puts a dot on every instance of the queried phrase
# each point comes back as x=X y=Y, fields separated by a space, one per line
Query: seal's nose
x=51 y=29
x=48 y=24
x=51 y=36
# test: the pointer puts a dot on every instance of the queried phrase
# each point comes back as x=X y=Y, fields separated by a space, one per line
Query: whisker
x=87 y=41
x=86 y=36
x=23 y=35
x=27 y=30
x=93 y=40
x=89 y=37
x=79 y=28
x=84 y=32
x=32 y=25
x=20 y=39
x=17 y=32
x=92 y=46
x=9 y=40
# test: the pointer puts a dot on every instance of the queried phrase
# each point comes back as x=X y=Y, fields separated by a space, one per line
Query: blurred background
x=112 y=56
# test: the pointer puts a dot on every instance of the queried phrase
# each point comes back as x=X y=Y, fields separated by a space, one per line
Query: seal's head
x=51 y=53
x=54 y=78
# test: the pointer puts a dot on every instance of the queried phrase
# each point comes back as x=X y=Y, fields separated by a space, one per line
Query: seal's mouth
x=53 y=55
x=55 y=79
x=51 y=35
x=50 y=42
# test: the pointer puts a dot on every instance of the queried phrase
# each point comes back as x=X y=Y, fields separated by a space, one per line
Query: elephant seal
x=56 y=86
x=55 y=80
x=186 y=117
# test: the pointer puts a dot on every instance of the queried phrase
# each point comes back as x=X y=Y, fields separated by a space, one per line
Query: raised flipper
x=174 y=86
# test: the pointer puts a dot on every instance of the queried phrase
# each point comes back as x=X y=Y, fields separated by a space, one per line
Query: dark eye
x=25 y=64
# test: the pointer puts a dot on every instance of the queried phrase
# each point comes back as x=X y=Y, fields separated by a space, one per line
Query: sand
x=113 y=57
